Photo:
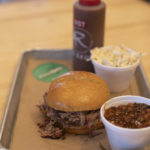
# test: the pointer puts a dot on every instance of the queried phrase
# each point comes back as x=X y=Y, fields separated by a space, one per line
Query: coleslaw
x=115 y=56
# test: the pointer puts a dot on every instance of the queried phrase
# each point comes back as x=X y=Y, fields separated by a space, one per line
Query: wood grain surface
x=48 y=24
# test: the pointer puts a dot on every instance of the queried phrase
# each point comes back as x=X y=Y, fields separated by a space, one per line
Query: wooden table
x=48 y=24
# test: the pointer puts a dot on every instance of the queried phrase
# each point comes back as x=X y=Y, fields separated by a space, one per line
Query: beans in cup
x=132 y=115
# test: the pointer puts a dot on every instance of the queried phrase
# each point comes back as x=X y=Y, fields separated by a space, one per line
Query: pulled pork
x=56 y=121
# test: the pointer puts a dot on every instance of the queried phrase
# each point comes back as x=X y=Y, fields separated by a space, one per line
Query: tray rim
x=11 y=91
x=15 y=76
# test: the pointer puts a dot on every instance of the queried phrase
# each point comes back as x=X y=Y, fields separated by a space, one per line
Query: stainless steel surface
x=12 y=104
x=9 y=118
x=142 y=81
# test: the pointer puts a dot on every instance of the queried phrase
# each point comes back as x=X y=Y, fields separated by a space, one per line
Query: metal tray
x=9 y=118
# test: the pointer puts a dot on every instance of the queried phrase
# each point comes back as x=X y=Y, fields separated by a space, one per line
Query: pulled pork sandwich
x=72 y=104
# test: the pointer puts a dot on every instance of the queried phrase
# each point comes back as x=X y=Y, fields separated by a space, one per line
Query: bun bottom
x=83 y=130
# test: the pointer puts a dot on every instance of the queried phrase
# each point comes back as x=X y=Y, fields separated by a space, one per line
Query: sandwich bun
x=84 y=129
x=77 y=91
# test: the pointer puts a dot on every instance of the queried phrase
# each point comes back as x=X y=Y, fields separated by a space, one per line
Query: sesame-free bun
x=77 y=91
x=81 y=130
x=84 y=129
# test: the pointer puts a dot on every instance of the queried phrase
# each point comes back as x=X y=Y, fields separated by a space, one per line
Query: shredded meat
x=51 y=129
x=56 y=121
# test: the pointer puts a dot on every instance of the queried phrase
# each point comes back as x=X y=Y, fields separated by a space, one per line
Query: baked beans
x=132 y=115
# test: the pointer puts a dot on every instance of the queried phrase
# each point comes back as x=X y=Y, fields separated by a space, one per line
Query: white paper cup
x=117 y=78
x=124 y=138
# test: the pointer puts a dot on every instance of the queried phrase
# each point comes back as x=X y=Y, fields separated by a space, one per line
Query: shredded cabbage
x=115 y=56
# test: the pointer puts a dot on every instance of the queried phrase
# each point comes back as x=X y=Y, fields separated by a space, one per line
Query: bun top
x=77 y=91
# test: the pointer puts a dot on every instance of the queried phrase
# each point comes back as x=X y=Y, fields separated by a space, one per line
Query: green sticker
x=49 y=71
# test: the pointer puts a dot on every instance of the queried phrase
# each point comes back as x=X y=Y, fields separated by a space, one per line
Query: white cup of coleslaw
x=117 y=78
x=126 y=138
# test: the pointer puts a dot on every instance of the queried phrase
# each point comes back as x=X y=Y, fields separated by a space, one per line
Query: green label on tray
x=49 y=71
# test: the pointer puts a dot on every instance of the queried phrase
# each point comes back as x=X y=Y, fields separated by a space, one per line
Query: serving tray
x=19 y=129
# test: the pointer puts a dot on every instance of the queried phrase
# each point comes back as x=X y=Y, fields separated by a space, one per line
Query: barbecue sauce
x=89 y=17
